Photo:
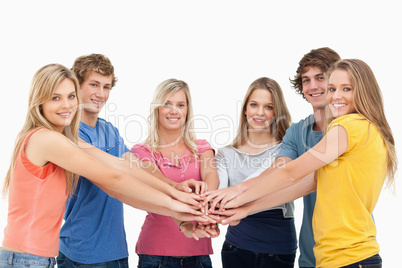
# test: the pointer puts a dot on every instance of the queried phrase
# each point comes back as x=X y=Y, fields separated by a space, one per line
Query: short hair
x=99 y=63
x=322 y=58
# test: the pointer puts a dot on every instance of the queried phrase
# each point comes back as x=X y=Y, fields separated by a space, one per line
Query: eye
x=107 y=88
x=304 y=81
x=320 y=78
x=331 y=89
x=182 y=106
x=72 y=96
x=347 y=89
x=253 y=104
x=270 y=107
x=93 y=85
x=166 y=104
x=55 y=98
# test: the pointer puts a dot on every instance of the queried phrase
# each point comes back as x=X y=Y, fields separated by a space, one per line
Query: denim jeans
x=234 y=257
x=153 y=261
x=24 y=260
x=64 y=262
x=372 y=262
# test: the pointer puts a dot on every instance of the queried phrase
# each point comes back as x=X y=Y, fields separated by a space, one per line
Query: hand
x=233 y=216
x=192 y=186
x=184 y=217
x=199 y=230
x=221 y=196
x=188 y=198
x=178 y=206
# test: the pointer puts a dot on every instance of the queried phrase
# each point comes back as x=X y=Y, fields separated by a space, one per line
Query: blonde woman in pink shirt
x=47 y=154
x=172 y=151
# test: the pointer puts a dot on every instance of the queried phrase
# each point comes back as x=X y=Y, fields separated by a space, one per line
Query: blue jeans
x=372 y=262
x=24 y=260
x=153 y=261
x=234 y=257
x=64 y=262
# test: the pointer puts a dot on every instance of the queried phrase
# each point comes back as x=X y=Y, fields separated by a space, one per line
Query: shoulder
x=227 y=152
x=309 y=120
x=46 y=136
x=351 y=122
x=203 y=145
x=106 y=124
x=140 y=147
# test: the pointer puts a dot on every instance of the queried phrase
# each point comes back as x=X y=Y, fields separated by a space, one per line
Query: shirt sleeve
x=203 y=145
x=289 y=143
x=143 y=152
x=221 y=168
x=122 y=146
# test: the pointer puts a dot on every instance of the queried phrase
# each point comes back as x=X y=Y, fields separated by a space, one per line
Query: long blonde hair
x=162 y=93
x=282 y=116
x=43 y=85
x=368 y=102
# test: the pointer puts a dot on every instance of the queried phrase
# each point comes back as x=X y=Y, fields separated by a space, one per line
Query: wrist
x=184 y=223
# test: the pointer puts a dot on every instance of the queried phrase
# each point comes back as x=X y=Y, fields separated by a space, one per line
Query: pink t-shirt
x=159 y=234
x=37 y=199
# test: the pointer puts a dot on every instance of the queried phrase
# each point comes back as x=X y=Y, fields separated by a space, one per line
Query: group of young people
x=69 y=164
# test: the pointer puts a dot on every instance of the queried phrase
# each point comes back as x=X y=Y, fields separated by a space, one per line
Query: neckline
x=256 y=154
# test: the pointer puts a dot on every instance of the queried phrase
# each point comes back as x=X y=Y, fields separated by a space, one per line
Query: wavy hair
x=43 y=85
x=368 y=102
x=322 y=58
x=99 y=63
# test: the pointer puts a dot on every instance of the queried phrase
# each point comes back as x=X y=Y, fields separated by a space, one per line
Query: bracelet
x=184 y=223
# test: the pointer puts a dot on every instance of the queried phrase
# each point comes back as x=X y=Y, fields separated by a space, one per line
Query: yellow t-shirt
x=347 y=192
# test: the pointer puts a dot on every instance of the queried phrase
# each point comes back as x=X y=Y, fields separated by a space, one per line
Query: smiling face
x=260 y=110
x=95 y=92
x=173 y=113
x=314 y=84
x=340 y=94
x=62 y=107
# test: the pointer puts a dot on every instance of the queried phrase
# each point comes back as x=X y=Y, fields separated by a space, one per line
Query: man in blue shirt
x=93 y=232
x=310 y=82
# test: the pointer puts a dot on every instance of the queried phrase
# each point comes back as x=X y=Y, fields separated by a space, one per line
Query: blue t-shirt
x=93 y=231
x=299 y=138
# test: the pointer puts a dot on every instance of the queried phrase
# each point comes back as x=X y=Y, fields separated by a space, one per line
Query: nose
x=174 y=110
x=66 y=103
x=313 y=84
x=260 y=110
x=337 y=94
x=100 y=93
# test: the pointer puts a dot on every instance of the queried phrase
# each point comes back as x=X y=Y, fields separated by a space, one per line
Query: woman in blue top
x=268 y=238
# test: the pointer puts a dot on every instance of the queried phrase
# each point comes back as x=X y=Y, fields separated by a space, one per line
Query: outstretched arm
x=327 y=150
x=51 y=146
x=234 y=213
x=222 y=196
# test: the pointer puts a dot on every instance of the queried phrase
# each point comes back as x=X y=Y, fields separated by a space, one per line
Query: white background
x=217 y=47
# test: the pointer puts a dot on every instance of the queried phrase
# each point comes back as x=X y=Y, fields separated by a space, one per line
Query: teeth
x=316 y=95
x=337 y=105
x=64 y=114
x=97 y=102
x=173 y=119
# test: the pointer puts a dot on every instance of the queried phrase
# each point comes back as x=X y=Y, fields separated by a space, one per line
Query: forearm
x=129 y=186
x=132 y=165
x=212 y=180
x=300 y=189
